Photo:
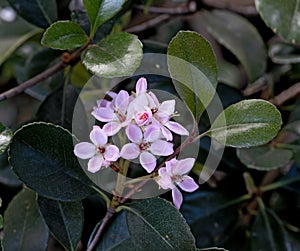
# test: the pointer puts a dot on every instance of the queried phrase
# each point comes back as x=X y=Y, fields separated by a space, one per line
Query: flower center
x=144 y=146
x=176 y=178
x=100 y=149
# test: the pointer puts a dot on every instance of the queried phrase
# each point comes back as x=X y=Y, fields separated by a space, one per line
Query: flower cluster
x=148 y=127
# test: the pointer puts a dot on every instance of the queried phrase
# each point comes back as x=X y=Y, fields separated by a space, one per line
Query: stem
x=106 y=220
x=278 y=184
x=33 y=81
x=288 y=146
x=186 y=9
x=124 y=166
x=64 y=97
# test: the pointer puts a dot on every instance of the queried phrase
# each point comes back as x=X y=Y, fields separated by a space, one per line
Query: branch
x=186 y=9
x=287 y=94
x=33 y=81
x=148 y=24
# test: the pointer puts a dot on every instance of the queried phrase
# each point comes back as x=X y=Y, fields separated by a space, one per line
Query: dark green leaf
x=117 y=55
x=192 y=66
x=24 y=228
x=5 y=137
x=7 y=176
x=99 y=11
x=64 y=35
x=64 y=219
x=264 y=157
x=152 y=224
x=282 y=17
x=42 y=156
x=268 y=229
x=1 y=218
x=239 y=36
x=211 y=249
x=229 y=74
x=247 y=123
x=38 y=12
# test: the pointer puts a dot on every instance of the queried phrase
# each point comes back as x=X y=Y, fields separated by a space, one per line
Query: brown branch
x=287 y=94
x=191 y=7
x=148 y=24
x=33 y=81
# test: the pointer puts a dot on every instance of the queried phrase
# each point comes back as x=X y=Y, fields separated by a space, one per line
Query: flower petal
x=183 y=166
x=161 y=148
x=122 y=100
x=167 y=107
x=188 y=184
x=177 y=197
x=95 y=163
x=141 y=86
x=152 y=133
x=177 y=128
x=111 y=153
x=103 y=114
x=85 y=150
x=130 y=151
x=170 y=166
x=148 y=161
x=98 y=136
x=111 y=128
x=167 y=134
x=134 y=133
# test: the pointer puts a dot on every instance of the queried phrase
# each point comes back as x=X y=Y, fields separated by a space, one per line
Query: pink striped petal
x=167 y=108
x=177 y=128
x=183 y=166
x=95 y=164
x=161 y=148
x=103 y=114
x=141 y=86
x=188 y=184
x=111 y=128
x=177 y=197
x=122 y=100
x=148 y=161
x=111 y=153
x=134 y=133
x=152 y=133
x=130 y=151
x=167 y=134
x=84 y=150
x=98 y=136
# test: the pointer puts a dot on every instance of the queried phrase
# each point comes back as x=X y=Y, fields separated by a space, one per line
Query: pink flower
x=145 y=146
x=113 y=112
x=175 y=174
x=99 y=151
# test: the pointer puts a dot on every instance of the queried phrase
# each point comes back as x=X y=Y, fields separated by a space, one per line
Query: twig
x=148 y=24
x=186 y=9
x=287 y=94
x=33 y=81
x=106 y=220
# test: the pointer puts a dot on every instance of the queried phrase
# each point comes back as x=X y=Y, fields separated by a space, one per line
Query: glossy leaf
x=284 y=53
x=64 y=219
x=5 y=137
x=282 y=17
x=64 y=35
x=42 y=156
x=264 y=157
x=247 y=123
x=99 y=11
x=192 y=66
x=117 y=55
x=239 y=36
x=24 y=228
x=7 y=176
x=269 y=229
x=152 y=224
x=38 y=12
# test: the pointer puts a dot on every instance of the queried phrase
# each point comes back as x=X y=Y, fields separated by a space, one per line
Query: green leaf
x=211 y=249
x=246 y=123
x=38 y=12
x=239 y=36
x=264 y=157
x=282 y=17
x=192 y=66
x=117 y=55
x=284 y=53
x=64 y=219
x=268 y=228
x=7 y=176
x=100 y=11
x=24 y=228
x=5 y=137
x=42 y=156
x=152 y=224
x=64 y=35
